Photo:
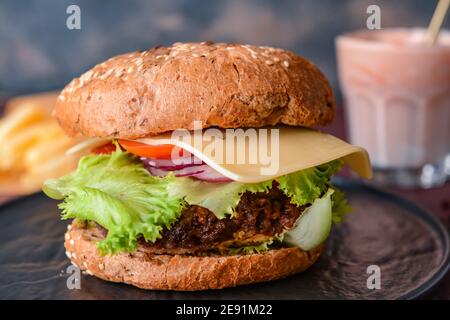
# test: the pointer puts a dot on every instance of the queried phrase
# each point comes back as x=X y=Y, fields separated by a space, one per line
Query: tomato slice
x=163 y=151
x=107 y=148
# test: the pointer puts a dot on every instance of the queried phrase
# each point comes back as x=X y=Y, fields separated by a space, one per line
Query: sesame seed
x=101 y=266
x=276 y=59
x=61 y=97
x=159 y=57
x=230 y=48
x=193 y=47
x=71 y=242
x=86 y=76
x=67 y=236
x=285 y=63
x=74 y=264
x=68 y=254
x=89 y=272
x=130 y=69
x=254 y=56
x=269 y=62
x=85 y=264
x=195 y=55
x=74 y=255
x=250 y=50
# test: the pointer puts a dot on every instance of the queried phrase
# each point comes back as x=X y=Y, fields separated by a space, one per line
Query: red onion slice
x=200 y=171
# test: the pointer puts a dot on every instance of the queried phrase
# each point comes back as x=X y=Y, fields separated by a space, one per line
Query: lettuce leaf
x=314 y=225
x=340 y=206
x=263 y=246
x=304 y=186
x=119 y=194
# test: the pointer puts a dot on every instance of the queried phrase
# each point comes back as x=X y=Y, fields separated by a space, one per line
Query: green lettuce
x=118 y=193
x=304 y=186
x=340 y=206
x=263 y=246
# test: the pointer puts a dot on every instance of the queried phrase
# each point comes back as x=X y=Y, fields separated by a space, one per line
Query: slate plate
x=408 y=244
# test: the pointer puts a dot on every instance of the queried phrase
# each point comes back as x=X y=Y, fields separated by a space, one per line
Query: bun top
x=166 y=88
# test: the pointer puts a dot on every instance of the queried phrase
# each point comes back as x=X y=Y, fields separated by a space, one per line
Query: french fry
x=53 y=168
x=32 y=145
x=18 y=120
x=45 y=101
x=14 y=148
x=44 y=150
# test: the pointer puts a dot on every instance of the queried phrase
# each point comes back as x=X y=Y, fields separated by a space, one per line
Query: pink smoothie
x=397 y=95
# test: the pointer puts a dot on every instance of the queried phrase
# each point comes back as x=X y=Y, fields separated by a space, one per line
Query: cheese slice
x=293 y=149
x=298 y=149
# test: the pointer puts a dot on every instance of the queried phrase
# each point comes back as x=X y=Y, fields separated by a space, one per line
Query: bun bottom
x=182 y=272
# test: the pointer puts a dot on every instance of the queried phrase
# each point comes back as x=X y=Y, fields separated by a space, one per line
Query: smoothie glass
x=396 y=93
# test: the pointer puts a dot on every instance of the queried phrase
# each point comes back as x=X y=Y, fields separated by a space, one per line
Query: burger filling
x=130 y=205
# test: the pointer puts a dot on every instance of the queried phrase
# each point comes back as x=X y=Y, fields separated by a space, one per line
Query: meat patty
x=259 y=217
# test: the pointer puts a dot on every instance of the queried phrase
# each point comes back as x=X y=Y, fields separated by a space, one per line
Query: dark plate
x=408 y=244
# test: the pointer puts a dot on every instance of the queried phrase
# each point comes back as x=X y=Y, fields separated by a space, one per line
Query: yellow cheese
x=298 y=149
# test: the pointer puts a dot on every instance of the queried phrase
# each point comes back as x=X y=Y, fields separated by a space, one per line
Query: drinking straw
x=436 y=22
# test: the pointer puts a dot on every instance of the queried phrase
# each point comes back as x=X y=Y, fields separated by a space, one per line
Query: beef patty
x=258 y=217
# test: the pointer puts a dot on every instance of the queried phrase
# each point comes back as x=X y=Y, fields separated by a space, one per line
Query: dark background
x=38 y=52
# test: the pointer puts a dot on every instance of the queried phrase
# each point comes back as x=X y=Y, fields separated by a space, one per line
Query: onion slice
x=186 y=167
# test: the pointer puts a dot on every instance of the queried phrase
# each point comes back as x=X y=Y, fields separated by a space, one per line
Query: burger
x=162 y=212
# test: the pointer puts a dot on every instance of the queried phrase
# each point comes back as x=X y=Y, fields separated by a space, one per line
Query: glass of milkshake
x=396 y=93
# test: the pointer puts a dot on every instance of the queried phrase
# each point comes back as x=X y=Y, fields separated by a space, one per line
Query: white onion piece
x=210 y=175
x=185 y=172
x=168 y=164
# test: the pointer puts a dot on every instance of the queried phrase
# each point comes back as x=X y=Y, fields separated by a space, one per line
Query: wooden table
x=436 y=200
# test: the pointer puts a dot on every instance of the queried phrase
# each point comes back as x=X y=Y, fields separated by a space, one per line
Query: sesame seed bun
x=165 y=88
x=183 y=272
